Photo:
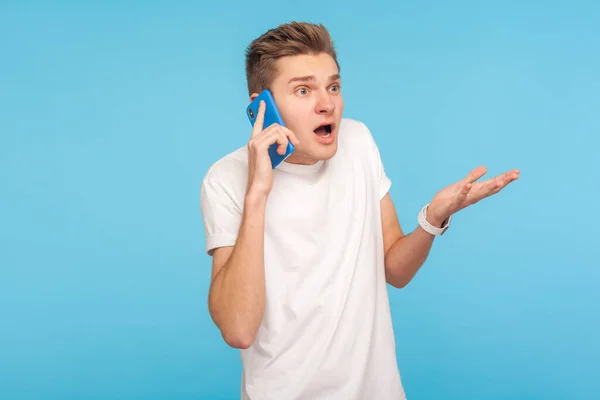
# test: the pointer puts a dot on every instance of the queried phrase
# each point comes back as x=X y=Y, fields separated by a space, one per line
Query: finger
x=487 y=188
x=464 y=192
x=505 y=179
x=260 y=119
x=500 y=181
x=282 y=141
x=287 y=135
x=491 y=186
x=271 y=136
x=513 y=175
x=475 y=174
x=497 y=182
x=291 y=136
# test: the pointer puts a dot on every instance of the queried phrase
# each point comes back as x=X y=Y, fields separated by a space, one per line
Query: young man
x=302 y=253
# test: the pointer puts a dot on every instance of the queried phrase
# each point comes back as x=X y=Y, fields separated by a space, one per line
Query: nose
x=324 y=104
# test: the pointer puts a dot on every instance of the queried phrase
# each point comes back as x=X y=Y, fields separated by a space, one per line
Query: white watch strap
x=427 y=227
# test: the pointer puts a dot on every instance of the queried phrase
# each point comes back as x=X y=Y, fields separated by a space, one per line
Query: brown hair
x=291 y=39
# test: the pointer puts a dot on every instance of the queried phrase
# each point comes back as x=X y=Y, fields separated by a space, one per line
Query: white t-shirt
x=327 y=330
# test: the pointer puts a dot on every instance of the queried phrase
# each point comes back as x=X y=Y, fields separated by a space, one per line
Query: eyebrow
x=310 y=78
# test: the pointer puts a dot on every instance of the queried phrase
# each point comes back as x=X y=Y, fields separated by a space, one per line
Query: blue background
x=111 y=113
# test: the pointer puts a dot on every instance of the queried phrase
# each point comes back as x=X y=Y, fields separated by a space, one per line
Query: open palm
x=466 y=192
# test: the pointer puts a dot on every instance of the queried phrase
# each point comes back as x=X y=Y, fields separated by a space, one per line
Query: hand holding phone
x=272 y=116
x=264 y=141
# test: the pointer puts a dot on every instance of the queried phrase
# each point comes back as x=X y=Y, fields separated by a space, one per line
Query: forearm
x=237 y=296
x=404 y=258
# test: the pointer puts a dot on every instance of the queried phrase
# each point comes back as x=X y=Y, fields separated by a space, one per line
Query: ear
x=253 y=96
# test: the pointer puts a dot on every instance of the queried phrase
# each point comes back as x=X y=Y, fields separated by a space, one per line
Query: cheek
x=300 y=129
x=298 y=122
x=293 y=120
x=339 y=104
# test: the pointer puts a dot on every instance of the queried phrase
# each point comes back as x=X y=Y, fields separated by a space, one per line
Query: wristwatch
x=427 y=227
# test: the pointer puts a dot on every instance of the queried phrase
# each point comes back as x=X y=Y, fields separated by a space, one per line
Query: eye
x=335 y=88
x=302 y=91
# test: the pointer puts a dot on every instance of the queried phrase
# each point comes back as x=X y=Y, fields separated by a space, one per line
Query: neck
x=297 y=158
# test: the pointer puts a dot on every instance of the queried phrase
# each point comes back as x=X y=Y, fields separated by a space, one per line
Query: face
x=307 y=91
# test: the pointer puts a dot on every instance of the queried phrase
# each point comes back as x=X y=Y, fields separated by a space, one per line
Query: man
x=302 y=253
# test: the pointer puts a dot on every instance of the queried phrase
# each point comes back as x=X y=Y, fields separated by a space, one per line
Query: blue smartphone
x=272 y=116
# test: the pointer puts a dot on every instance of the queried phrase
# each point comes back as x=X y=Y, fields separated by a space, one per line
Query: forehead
x=321 y=66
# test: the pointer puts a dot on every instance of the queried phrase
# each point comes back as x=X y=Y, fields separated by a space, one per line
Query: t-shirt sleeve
x=384 y=182
x=221 y=214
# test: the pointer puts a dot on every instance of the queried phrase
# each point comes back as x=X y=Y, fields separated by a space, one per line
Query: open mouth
x=324 y=130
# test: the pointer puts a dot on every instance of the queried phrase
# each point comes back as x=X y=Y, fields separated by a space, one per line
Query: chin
x=326 y=152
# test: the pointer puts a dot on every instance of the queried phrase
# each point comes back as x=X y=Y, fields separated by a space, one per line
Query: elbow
x=238 y=340
x=237 y=333
x=396 y=281
x=398 y=284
